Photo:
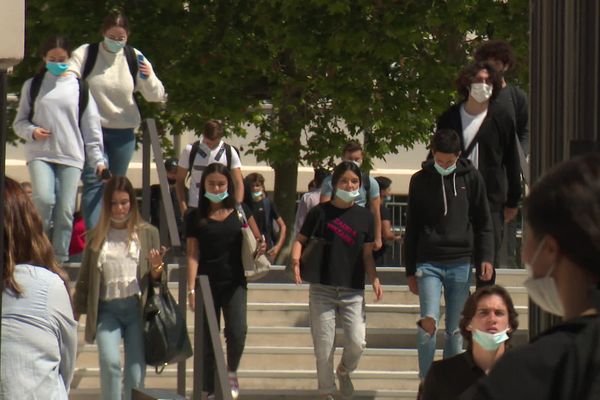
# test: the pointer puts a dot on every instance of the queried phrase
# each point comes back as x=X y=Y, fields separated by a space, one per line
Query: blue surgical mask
x=257 y=194
x=114 y=45
x=216 y=197
x=444 y=171
x=490 y=341
x=56 y=68
x=348 y=197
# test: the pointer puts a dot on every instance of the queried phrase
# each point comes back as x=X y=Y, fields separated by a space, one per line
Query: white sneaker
x=234 y=384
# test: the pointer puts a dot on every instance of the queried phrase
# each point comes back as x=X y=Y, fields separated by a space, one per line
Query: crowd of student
x=77 y=117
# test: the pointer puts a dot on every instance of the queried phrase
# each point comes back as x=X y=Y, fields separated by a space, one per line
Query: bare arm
x=261 y=245
x=374 y=205
x=369 y=264
x=193 y=254
x=386 y=230
x=180 y=189
x=238 y=181
x=299 y=242
x=282 y=231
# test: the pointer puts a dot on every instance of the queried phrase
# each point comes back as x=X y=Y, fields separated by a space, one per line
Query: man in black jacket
x=487 y=139
x=448 y=226
x=514 y=101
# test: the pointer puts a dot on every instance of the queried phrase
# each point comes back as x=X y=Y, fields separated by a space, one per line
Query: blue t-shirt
x=327 y=190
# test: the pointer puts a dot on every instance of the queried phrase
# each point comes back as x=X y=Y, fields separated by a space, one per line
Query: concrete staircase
x=278 y=361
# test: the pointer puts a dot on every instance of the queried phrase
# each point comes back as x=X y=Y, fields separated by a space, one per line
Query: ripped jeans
x=456 y=280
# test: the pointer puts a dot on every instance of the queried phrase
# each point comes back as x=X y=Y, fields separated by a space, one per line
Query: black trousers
x=498 y=229
x=232 y=300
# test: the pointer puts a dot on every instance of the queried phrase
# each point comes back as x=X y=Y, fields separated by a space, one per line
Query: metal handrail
x=205 y=312
x=151 y=140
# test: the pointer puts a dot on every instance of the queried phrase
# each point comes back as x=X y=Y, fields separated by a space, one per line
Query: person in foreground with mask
x=448 y=229
x=214 y=249
x=488 y=321
x=114 y=72
x=59 y=139
x=121 y=260
x=349 y=232
x=561 y=253
x=487 y=138
x=368 y=192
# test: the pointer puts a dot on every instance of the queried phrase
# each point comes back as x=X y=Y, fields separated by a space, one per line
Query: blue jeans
x=119 y=145
x=120 y=318
x=54 y=189
x=455 y=279
x=324 y=302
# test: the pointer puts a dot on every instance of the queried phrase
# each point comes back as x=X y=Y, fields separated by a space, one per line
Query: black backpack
x=196 y=148
x=92 y=56
x=34 y=90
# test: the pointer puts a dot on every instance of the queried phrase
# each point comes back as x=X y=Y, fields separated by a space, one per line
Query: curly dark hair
x=468 y=73
x=497 y=50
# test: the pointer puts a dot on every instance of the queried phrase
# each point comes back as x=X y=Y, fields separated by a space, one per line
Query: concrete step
x=296 y=358
x=388 y=275
x=275 y=394
x=281 y=379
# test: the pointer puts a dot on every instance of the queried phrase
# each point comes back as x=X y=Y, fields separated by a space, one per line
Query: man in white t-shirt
x=210 y=149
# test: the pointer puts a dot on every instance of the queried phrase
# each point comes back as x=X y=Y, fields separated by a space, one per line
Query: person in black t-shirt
x=264 y=212
x=561 y=252
x=348 y=230
x=488 y=321
x=387 y=234
x=214 y=248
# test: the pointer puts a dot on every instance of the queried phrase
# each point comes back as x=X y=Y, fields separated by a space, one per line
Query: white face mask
x=490 y=341
x=543 y=291
x=481 y=92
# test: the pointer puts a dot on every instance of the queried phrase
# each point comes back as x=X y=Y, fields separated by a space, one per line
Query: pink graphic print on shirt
x=343 y=231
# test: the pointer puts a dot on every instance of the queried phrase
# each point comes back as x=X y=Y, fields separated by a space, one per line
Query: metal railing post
x=205 y=311
x=146 y=160
x=151 y=139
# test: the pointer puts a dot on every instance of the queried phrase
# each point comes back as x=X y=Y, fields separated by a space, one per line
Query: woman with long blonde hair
x=119 y=264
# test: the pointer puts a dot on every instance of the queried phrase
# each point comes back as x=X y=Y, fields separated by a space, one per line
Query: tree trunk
x=286 y=179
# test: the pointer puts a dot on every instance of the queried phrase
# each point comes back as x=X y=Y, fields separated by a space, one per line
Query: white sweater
x=57 y=110
x=111 y=85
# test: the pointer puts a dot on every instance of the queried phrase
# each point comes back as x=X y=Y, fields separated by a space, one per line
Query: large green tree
x=309 y=74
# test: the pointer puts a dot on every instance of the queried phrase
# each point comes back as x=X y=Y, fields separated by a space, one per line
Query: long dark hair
x=340 y=169
x=203 y=202
x=24 y=238
x=565 y=203
x=115 y=19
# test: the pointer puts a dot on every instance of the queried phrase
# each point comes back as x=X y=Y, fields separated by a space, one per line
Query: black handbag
x=313 y=253
x=166 y=339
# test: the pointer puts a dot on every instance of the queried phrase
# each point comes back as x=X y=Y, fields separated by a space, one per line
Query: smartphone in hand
x=140 y=59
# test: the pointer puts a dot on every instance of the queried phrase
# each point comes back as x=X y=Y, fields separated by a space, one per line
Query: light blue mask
x=490 y=341
x=257 y=194
x=348 y=197
x=444 y=171
x=56 y=68
x=114 y=45
x=216 y=198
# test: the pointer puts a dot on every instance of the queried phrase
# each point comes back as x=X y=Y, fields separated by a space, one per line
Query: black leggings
x=232 y=300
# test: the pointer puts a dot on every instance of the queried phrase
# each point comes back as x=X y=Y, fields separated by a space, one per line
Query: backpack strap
x=228 y=153
x=132 y=63
x=193 y=152
x=268 y=220
x=90 y=60
x=366 y=181
x=84 y=97
x=34 y=90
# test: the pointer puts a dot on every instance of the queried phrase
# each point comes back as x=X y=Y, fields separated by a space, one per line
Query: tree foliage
x=309 y=74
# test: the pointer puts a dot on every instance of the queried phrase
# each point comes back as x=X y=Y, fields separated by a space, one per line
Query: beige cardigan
x=87 y=290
